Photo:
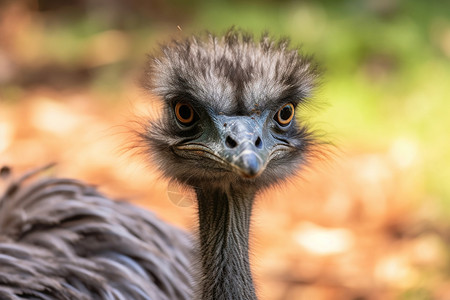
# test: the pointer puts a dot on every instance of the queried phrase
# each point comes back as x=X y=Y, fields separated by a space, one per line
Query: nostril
x=258 y=142
x=230 y=142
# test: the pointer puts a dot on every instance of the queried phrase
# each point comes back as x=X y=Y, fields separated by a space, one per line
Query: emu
x=228 y=130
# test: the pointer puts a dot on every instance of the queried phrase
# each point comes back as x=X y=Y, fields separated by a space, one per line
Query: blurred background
x=370 y=221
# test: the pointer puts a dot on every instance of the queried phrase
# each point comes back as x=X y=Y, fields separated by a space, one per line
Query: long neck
x=224 y=217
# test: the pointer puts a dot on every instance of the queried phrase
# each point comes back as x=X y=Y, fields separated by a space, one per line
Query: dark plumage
x=61 y=239
x=227 y=130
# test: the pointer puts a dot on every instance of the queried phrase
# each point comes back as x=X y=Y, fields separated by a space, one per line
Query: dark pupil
x=286 y=113
x=185 y=112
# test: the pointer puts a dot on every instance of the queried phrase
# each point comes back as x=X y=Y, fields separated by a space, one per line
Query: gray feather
x=62 y=239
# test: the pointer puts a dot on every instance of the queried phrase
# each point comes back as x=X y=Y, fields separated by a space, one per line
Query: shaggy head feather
x=231 y=75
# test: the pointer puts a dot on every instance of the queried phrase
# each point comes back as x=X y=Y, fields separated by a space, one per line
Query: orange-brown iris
x=285 y=114
x=184 y=113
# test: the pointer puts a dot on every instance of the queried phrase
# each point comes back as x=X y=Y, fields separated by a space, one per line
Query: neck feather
x=224 y=217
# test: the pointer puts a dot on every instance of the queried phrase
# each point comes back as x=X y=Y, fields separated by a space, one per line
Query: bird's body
x=227 y=130
x=61 y=239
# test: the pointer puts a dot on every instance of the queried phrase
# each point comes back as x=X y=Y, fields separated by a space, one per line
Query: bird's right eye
x=184 y=113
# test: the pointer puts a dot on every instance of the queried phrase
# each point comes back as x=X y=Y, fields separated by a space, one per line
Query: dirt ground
x=349 y=227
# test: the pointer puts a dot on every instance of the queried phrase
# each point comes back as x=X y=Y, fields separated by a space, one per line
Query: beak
x=242 y=145
x=248 y=163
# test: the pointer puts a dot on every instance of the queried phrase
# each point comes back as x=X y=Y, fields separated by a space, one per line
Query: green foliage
x=387 y=62
x=387 y=71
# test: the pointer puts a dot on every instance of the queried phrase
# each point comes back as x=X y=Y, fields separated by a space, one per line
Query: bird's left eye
x=185 y=113
x=285 y=114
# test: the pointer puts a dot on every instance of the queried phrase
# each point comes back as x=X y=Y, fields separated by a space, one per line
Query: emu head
x=229 y=109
